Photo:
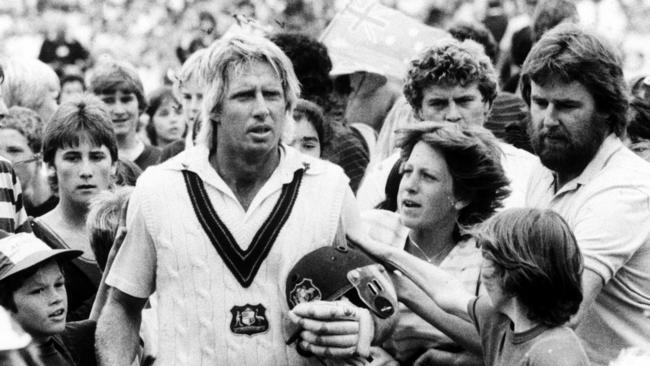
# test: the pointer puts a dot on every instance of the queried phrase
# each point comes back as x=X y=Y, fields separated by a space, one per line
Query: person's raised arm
x=118 y=327
x=439 y=285
x=460 y=331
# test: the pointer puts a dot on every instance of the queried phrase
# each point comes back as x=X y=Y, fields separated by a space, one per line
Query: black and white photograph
x=324 y=182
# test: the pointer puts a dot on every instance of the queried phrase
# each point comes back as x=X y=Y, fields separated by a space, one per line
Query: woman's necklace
x=414 y=245
x=435 y=259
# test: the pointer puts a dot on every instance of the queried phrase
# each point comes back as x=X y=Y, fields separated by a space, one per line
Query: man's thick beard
x=572 y=159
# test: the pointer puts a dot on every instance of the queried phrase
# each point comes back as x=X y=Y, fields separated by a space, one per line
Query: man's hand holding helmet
x=342 y=301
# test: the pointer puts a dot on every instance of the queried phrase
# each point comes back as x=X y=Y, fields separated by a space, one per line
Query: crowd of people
x=490 y=208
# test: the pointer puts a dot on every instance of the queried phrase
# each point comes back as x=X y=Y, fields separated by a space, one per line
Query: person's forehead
x=82 y=140
x=169 y=102
x=428 y=156
x=12 y=136
x=251 y=70
x=191 y=86
x=84 y=144
x=560 y=90
x=47 y=272
x=116 y=92
x=304 y=127
x=447 y=91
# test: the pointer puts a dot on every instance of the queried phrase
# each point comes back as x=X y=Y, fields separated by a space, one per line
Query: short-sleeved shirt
x=12 y=212
x=538 y=346
x=608 y=208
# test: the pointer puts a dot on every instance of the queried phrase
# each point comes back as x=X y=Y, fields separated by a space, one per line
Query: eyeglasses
x=31 y=159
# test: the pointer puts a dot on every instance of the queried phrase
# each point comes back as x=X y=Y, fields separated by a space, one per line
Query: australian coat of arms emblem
x=304 y=291
x=249 y=319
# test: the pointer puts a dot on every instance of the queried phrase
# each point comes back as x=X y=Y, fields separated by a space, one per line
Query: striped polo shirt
x=12 y=212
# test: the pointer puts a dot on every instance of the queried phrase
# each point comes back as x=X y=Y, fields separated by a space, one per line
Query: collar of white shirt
x=610 y=145
x=196 y=159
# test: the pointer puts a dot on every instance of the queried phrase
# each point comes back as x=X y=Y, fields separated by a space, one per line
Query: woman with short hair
x=450 y=179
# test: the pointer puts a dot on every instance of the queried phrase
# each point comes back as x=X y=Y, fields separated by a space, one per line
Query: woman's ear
x=114 y=169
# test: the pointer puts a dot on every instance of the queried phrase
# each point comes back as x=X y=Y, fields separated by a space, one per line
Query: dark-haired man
x=118 y=85
x=455 y=82
x=574 y=84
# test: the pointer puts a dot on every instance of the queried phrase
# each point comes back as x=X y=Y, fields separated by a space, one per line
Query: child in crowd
x=118 y=85
x=531 y=270
x=72 y=85
x=188 y=86
x=105 y=225
x=308 y=136
x=32 y=289
x=165 y=112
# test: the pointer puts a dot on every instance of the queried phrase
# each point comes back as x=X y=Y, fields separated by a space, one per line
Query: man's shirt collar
x=196 y=159
x=610 y=145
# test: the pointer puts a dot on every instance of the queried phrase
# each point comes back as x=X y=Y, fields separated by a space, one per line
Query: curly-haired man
x=452 y=81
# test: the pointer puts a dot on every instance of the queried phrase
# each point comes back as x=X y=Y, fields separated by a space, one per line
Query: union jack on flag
x=368 y=36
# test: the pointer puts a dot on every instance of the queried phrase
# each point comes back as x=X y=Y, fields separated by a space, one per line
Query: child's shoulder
x=557 y=346
x=79 y=339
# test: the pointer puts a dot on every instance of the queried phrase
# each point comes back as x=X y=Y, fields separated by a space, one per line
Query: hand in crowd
x=334 y=329
x=405 y=288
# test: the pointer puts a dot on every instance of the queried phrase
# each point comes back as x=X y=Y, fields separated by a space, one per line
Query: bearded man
x=573 y=82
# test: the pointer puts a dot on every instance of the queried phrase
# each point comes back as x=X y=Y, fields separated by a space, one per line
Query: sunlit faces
x=14 y=147
x=305 y=136
x=168 y=122
x=425 y=198
x=82 y=171
x=41 y=302
x=566 y=131
x=123 y=107
x=253 y=112
x=70 y=89
x=456 y=104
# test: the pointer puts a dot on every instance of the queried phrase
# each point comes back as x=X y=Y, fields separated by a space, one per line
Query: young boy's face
x=191 y=98
x=124 y=108
x=41 y=302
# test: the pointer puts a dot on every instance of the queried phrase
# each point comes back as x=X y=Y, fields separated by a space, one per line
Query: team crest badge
x=249 y=319
x=304 y=291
